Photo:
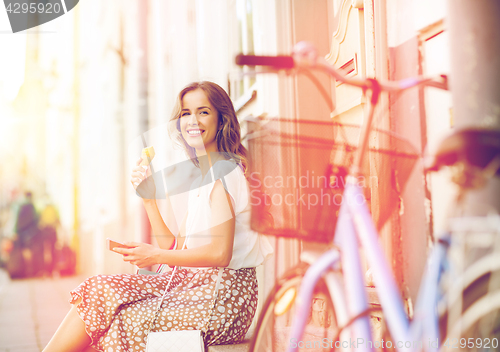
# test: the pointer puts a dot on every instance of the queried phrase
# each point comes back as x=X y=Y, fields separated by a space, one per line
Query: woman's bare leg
x=70 y=336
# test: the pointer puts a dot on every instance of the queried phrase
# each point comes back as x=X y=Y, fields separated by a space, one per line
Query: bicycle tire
x=478 y=325
x=272 y=331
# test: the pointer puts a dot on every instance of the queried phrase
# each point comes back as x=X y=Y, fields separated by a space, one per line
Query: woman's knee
x=99 y=279
x=77 y=301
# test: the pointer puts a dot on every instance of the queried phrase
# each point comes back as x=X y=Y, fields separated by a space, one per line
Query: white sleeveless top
x=250 y=249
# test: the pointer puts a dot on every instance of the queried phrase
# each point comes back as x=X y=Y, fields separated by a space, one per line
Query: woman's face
x=199 y=122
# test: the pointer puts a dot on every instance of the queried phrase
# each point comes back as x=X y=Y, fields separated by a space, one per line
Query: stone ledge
x=243 y=346
x=240 y=347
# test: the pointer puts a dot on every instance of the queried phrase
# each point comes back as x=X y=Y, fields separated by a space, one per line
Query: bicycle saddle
x=473 y=145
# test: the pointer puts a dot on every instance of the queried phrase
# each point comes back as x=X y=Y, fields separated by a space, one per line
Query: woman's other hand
x=140 y=254
x=142 y=181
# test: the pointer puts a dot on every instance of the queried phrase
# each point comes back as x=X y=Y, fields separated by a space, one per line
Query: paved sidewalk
x=31 y=310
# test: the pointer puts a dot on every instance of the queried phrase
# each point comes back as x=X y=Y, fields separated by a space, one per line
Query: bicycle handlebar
x=283 y=61
x=304 y=56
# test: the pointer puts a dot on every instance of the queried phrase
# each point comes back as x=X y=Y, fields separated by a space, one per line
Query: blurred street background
x=81 y=95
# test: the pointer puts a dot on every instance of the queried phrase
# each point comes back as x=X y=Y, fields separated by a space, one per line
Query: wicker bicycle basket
x=298 y=169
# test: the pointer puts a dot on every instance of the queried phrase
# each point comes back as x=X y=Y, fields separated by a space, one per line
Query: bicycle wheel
x=478 y=325
x=275 y=321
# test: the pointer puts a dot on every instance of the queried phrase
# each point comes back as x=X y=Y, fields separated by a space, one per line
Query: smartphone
x=113 y=244
x=146 y=272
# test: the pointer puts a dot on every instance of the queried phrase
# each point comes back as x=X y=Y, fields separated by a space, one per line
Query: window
x=244 y=43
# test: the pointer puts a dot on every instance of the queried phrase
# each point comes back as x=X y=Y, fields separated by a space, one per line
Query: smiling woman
x=114 y=312
x=202 y=103
x=199 y=123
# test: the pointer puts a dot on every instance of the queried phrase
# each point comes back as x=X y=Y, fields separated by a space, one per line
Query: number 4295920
x=471 y=343
x=33 y=8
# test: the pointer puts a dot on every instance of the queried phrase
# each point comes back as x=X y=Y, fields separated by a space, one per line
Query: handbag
x=183 y=340
x=179 y=341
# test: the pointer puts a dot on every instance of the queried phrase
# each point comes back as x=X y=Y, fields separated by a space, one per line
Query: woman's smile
x=194 y=132
x=199 y=122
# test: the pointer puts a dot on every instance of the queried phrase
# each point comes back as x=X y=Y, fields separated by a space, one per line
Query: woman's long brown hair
x=228 y=138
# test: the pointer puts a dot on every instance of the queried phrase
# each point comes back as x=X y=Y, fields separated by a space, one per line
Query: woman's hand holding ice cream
x=141 y=177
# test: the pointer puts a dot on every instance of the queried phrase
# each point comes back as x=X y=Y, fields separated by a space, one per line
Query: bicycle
x=338 y=271
x=470 y=306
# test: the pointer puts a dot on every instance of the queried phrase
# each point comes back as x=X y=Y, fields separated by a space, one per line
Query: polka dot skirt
x=118 y=309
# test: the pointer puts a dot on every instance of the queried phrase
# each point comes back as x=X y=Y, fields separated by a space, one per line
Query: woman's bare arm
x=217 y=253
x=161 y=232
x=144 y=184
